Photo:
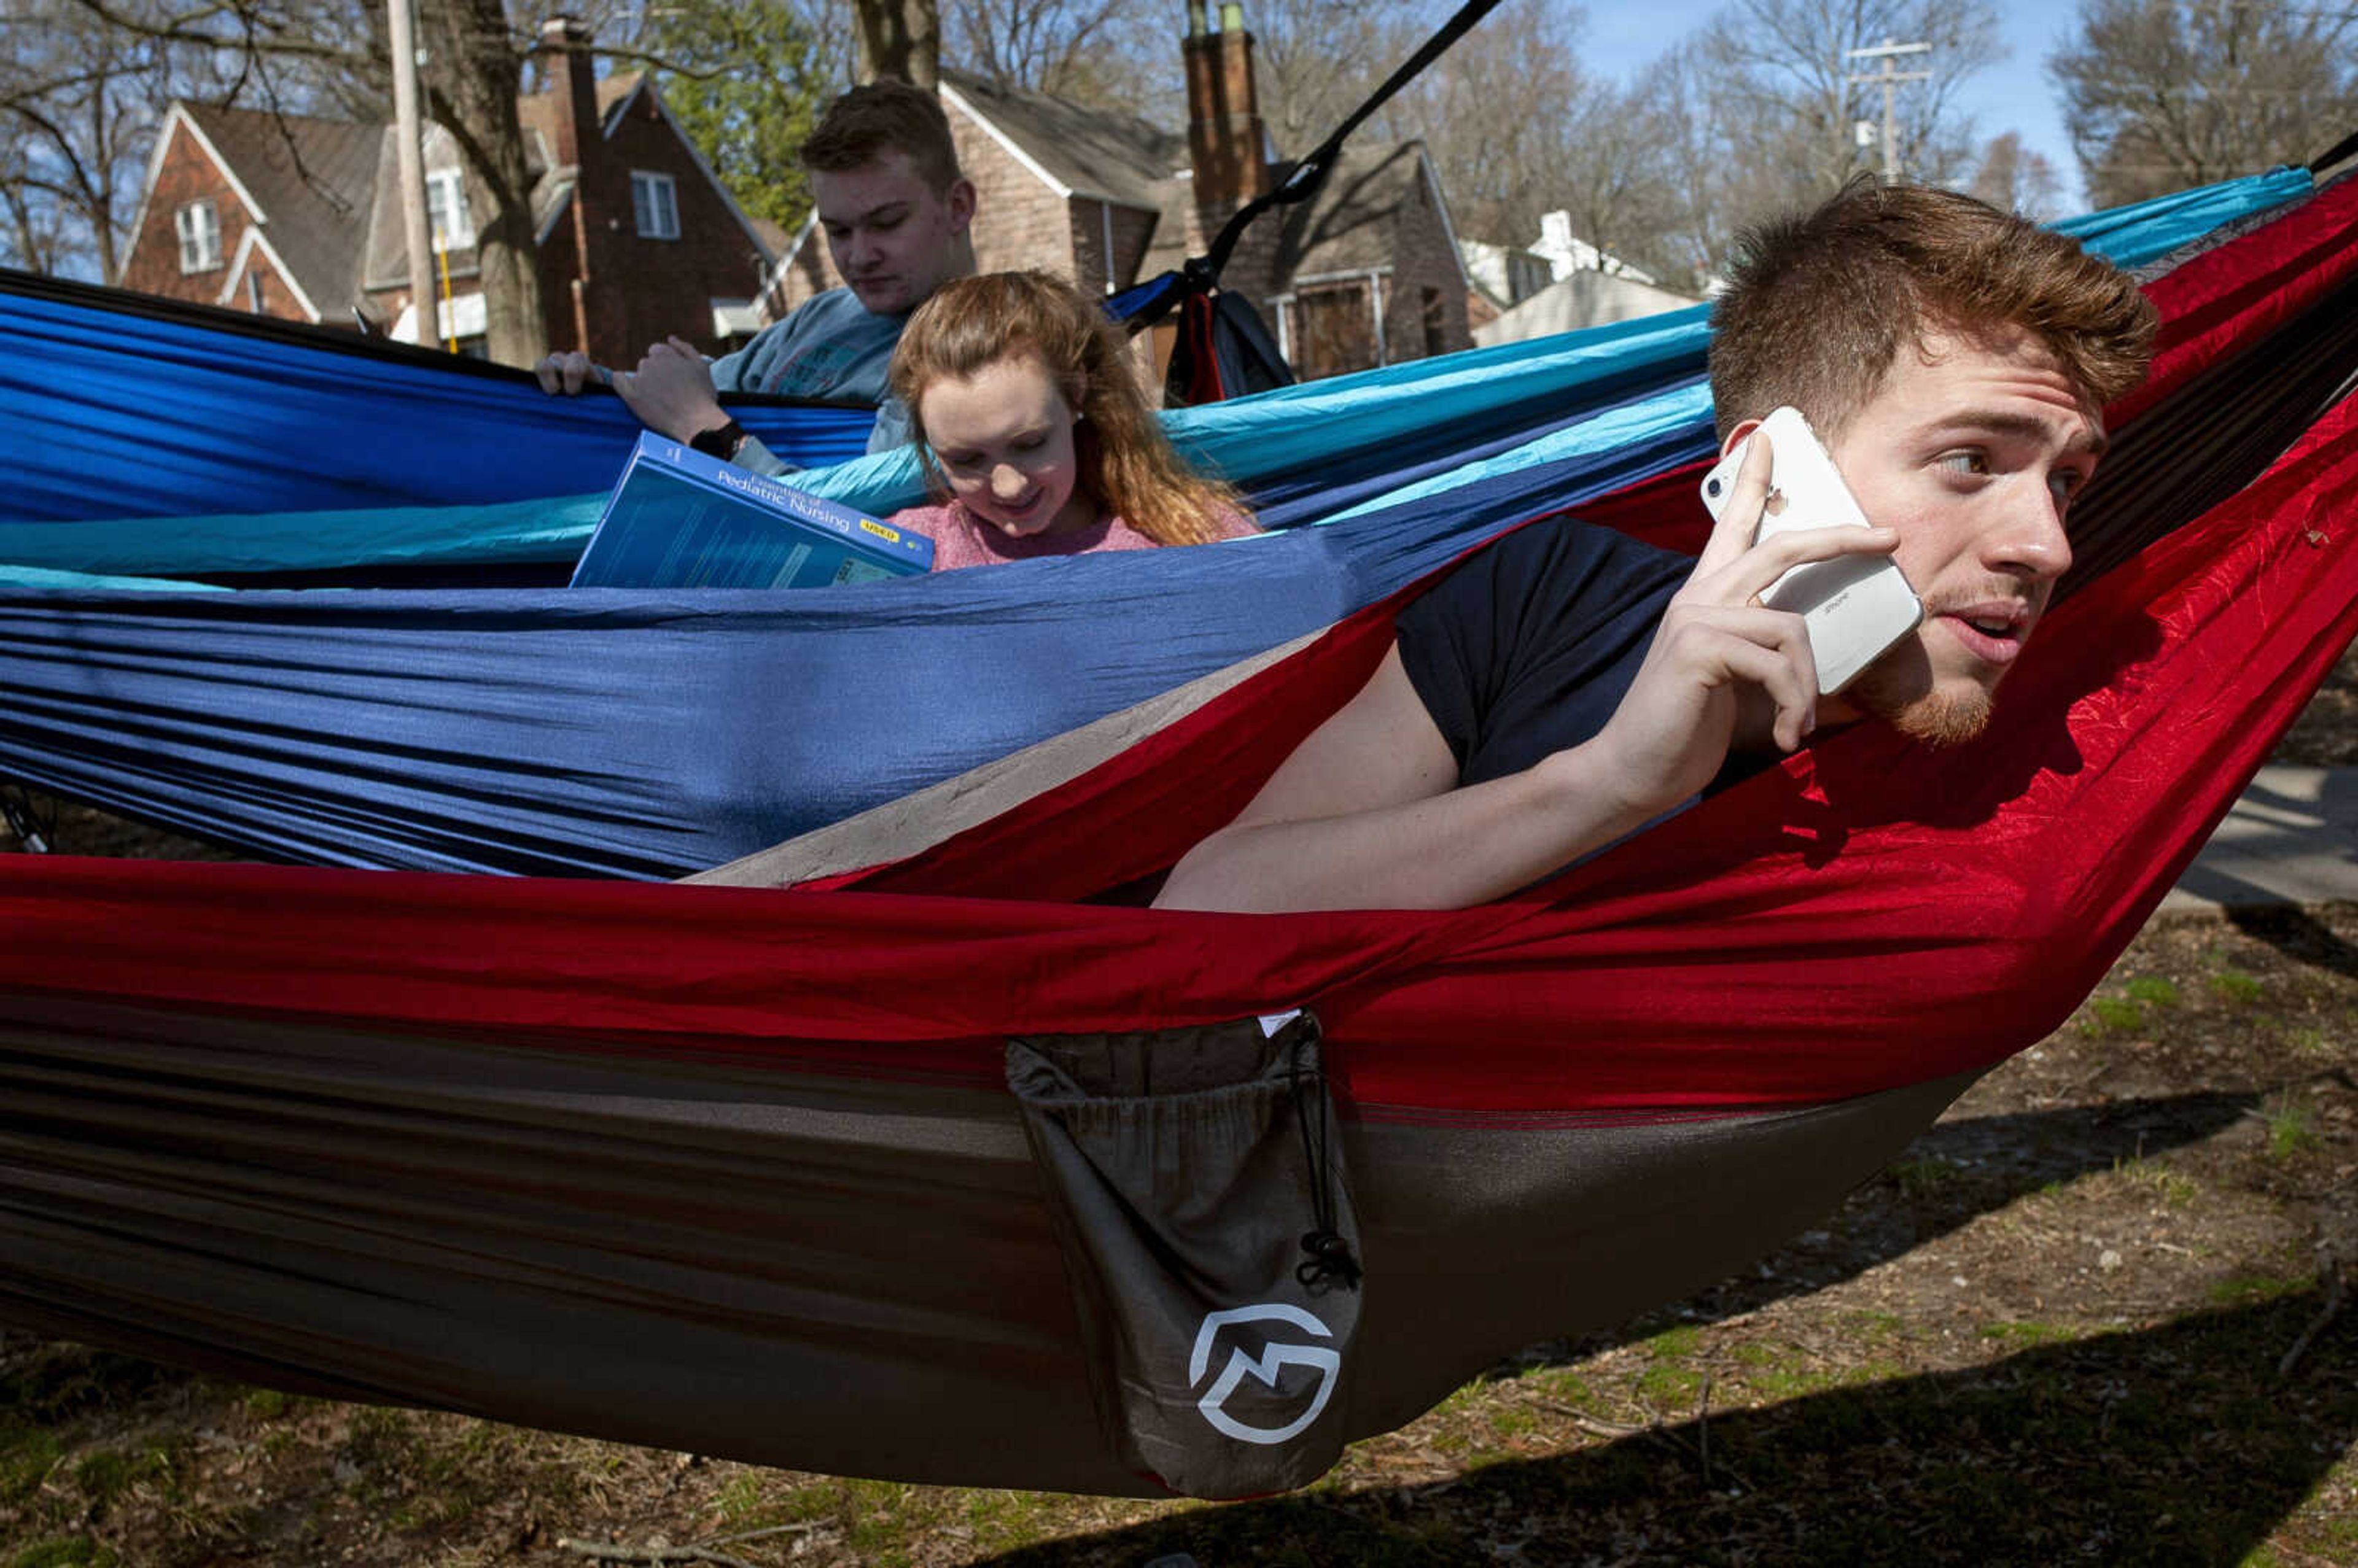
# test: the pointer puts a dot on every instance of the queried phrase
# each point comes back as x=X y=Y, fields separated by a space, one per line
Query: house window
x=199 y=230
x=254 y=295
x=446 y=210
x=654 y=202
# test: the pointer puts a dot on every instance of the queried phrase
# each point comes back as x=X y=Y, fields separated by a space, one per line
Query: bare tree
x=80 y=102
x=280 y=61
x=1792 y=110
x=1503 y=113
x=1087 y=50
x=901 y=39
x=1318 y=60
x=1754 y=115
x=2018 y=178
x=475 y=63
x=2160 y=95
x=1621 y=182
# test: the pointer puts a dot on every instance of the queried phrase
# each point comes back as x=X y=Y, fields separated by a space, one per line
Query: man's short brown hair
x=1821 y=302
x=885 y=117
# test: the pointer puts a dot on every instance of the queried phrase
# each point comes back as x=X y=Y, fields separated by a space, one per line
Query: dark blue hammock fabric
x=116 y=412
x=645 y=734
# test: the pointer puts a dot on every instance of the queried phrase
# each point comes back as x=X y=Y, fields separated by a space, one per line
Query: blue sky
x=1623 y=35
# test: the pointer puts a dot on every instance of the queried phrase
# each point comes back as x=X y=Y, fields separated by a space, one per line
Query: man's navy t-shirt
x=1527 y=647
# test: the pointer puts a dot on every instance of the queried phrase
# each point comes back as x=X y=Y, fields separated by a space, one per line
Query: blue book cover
x=680 y=519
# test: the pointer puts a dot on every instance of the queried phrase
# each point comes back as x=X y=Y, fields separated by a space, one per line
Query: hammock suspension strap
x=1201 y=275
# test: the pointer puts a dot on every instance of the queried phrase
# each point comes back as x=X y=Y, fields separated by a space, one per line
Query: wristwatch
x=721 y=441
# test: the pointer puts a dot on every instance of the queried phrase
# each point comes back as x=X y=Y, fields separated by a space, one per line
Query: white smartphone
x=1855 y=607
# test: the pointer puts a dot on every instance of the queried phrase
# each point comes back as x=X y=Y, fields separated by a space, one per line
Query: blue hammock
x=645 y=734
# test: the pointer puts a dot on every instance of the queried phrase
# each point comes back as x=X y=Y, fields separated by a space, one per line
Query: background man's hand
x=672 y=393
x=1719 y=659
x=566 y=375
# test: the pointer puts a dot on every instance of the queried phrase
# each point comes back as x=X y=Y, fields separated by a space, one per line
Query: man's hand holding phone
x=1723 y=665
x=1856 y=608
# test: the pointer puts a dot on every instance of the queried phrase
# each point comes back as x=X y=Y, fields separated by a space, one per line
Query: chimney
x=1224 y=129
x=574 y=86
x=598 y=327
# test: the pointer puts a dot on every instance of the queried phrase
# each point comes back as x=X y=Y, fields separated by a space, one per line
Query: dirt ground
x=2095 y=1316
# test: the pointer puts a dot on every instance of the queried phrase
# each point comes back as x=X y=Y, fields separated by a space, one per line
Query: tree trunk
x=473 y=69
x=901 y=39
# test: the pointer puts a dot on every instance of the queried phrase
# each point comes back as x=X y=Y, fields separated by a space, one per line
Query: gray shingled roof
x=1347 y=227
x=1349 y=224
x=314 y=181
x=388 y=249
x=1092 y=152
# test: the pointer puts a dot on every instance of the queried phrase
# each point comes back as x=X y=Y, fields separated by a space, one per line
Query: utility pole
x=409 y=145
x=1891 y=79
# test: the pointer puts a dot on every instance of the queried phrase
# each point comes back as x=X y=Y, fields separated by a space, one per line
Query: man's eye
x=1965 y=462
x=837 y=231
x=2066 y=483
x=1029 y=443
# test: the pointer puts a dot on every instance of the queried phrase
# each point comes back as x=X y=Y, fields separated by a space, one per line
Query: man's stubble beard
x=1900 y=690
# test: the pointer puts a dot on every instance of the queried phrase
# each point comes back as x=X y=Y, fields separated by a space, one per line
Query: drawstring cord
x=1330 y=1260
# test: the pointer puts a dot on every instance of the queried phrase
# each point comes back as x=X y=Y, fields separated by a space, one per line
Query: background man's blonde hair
x=885 y=117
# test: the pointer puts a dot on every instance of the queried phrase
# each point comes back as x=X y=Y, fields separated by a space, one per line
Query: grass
x=64 y=1551
x=2026 y=1335
x=2112 y=1015
x=2292 y=1121
x=1921 y=1178
x=2174 y=1189
x=2153 y=990
x=2235 y=987
x=2247 y=1288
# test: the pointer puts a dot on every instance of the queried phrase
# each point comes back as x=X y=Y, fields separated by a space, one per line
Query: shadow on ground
x=2298 y=934
x=2173 y=1445
x=1953 y=1173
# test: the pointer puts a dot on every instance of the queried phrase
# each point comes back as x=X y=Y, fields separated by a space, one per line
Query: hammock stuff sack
x=737 y=1169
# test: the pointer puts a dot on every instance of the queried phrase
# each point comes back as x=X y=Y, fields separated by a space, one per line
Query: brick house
x=1365 y=274
x=300 y=218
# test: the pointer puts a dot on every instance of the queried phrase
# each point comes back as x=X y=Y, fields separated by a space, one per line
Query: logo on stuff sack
x=1276 y=1354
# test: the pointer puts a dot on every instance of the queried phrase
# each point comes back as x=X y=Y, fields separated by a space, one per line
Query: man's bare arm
x=1366 y=814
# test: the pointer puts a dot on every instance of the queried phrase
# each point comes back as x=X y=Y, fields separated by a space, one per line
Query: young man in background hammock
x=1567 y=686
x=895 y=210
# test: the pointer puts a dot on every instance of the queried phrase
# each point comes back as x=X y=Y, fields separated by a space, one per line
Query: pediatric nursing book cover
x=679 y=518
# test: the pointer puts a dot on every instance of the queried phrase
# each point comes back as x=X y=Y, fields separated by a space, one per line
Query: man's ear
x=1743 y=428
x=961 y=200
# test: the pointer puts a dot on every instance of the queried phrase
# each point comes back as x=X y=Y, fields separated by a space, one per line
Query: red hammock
x=407 y=1134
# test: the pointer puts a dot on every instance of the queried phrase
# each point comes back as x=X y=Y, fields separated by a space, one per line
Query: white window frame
x=450 y=184
x=655 y=204
x=198 y=227
x=253 y=293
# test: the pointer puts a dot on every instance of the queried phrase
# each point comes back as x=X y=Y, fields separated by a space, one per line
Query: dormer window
x=654 y=202
x=199 y=227
x=446 y=210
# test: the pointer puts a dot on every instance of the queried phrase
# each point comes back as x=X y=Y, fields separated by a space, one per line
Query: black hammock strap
x=1201 y=274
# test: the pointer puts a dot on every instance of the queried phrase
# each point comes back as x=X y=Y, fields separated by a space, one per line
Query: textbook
x=680 y=519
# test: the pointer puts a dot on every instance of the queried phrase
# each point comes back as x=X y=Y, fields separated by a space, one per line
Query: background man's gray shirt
x=831 y=347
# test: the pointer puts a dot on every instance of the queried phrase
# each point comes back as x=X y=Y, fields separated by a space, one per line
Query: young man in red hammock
x=1565 y=687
